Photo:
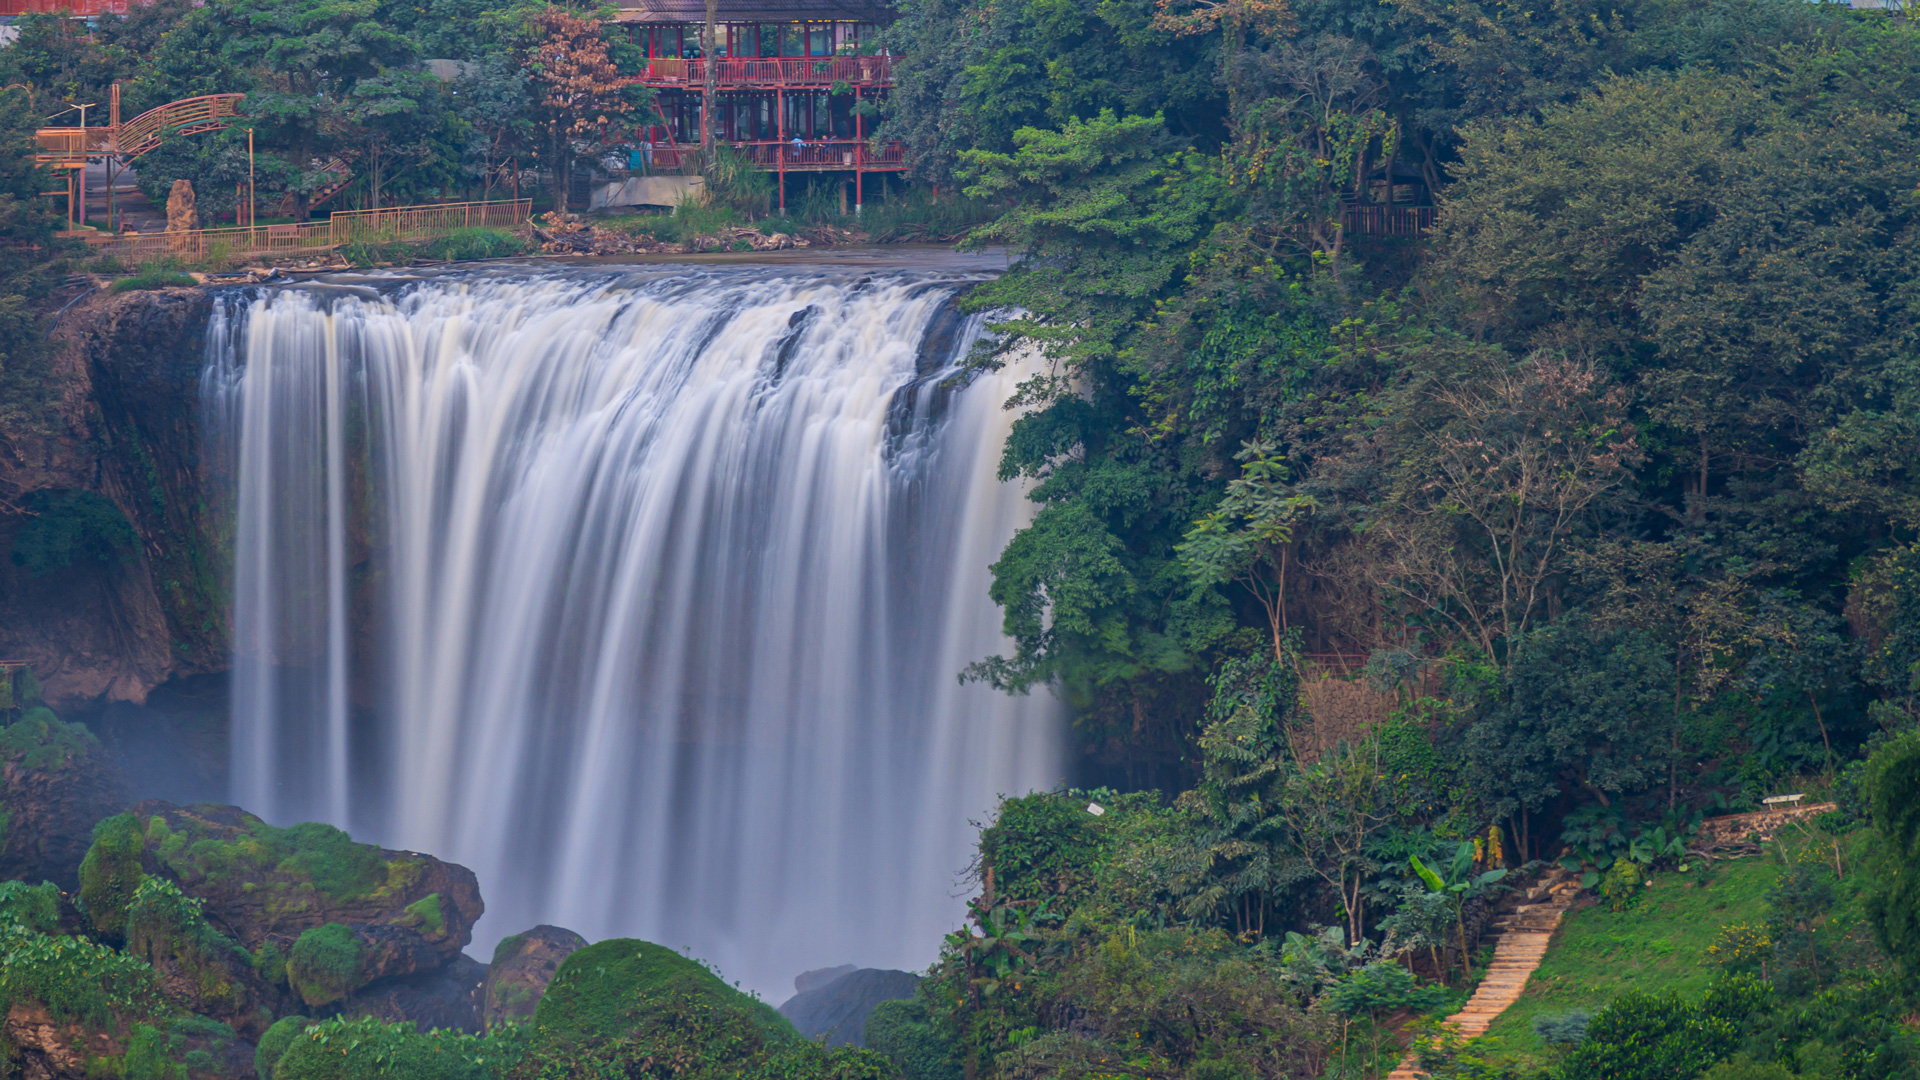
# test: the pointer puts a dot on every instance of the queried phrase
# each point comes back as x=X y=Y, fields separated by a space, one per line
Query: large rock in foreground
x=244 y=921
x=523 y=966
x=266 y=885
x=837 y=1009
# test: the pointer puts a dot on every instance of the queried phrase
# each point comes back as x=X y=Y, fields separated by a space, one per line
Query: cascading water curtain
x=643 y=594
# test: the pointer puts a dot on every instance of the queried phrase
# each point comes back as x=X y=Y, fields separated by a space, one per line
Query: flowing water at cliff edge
x=642 y=590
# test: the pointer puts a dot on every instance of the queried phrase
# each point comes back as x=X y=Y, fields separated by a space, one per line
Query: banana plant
x=1458 y=886
x=996 y=956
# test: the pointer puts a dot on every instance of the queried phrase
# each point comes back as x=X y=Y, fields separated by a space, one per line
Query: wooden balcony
x=818 y=155
x=1373 y=219
x=787 y=72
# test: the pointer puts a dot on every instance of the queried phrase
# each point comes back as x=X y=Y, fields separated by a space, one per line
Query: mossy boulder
x=523 y=966
x=626 y=987
x=264 y=887
x=56 y=782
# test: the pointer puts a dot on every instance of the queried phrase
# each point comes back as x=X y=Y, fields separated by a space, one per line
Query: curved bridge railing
x=188 y=116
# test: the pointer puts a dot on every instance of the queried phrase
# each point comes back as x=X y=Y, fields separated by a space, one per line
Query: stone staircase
x=1522 y=944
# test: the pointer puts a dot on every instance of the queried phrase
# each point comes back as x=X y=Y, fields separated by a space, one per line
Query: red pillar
x=780 y=128
x=859 y=150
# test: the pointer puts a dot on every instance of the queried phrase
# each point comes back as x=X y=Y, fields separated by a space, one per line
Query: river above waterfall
x=641 y=588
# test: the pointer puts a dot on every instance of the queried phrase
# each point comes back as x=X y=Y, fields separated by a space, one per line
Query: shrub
x=369 y=1049
x=1568 y=1029
x=1622 y=885
x=274 y=1043
x=373 y=251
x=40 y=740
x=905 y=1035
x=147 y=1057
x=110 y=873
x=68 y=527
x=154 y=278
x=1742 y=1067
x=166 y=928
x=476 y=243
x=30 y=907
x=1642 y=1037
x=324 y=966
x=74 y=978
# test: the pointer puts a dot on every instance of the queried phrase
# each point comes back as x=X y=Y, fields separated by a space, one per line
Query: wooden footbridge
x=69 y=149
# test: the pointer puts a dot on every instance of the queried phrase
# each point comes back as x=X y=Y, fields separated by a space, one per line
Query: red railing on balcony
x=817 y=155
x=86 y=8
x=771 y=72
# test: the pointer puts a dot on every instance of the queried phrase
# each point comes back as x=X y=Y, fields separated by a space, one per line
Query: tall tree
x=578 y=88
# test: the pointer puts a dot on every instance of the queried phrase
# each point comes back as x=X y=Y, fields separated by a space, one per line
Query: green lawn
x=1659 y=944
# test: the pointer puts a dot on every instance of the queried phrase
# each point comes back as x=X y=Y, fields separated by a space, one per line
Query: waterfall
x=640 y=590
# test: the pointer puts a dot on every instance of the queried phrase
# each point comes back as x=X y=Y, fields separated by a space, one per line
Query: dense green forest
x=1598 y=495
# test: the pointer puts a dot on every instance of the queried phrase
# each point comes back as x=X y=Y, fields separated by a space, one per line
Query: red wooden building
x=791 y=78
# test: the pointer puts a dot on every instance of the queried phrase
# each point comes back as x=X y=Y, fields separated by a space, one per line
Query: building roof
x=737 y=11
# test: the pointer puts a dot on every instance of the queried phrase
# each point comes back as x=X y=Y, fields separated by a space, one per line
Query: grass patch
x=158 y=277
x=1657 y=945
x=475 y=243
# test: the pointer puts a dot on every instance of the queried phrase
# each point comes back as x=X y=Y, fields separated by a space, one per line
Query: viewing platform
x=773 y=72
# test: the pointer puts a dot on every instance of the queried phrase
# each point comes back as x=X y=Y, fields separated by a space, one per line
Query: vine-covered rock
x=523 y=965
x=199 y=968
x=56 y=781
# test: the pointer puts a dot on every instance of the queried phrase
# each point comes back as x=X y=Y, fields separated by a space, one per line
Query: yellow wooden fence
x=389 y=223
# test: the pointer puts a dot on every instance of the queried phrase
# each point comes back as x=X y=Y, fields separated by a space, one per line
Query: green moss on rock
x=110 y=873
x=508 y=948
x=273 y=1045
x=424 y=913
x=325 y=965
x=617 y=987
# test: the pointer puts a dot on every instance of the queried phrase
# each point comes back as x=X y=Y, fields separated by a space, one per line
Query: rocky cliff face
x=100 y=618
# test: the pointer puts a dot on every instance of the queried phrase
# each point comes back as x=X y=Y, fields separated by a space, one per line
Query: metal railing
x=188 y=116
x=1378 y=220
x=774 y=71
x=85 y=8
x=817 y=155
x=391 y=223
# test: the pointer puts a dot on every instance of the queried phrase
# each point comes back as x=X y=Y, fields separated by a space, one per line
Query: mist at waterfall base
x=640 y=590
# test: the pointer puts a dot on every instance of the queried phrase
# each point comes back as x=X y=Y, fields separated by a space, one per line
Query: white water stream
x=642 y=591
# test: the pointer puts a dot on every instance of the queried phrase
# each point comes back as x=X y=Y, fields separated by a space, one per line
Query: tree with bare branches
x=1500 y=468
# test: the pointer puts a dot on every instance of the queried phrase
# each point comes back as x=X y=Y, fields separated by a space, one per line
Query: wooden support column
x=859 y=150
x=780 y=127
